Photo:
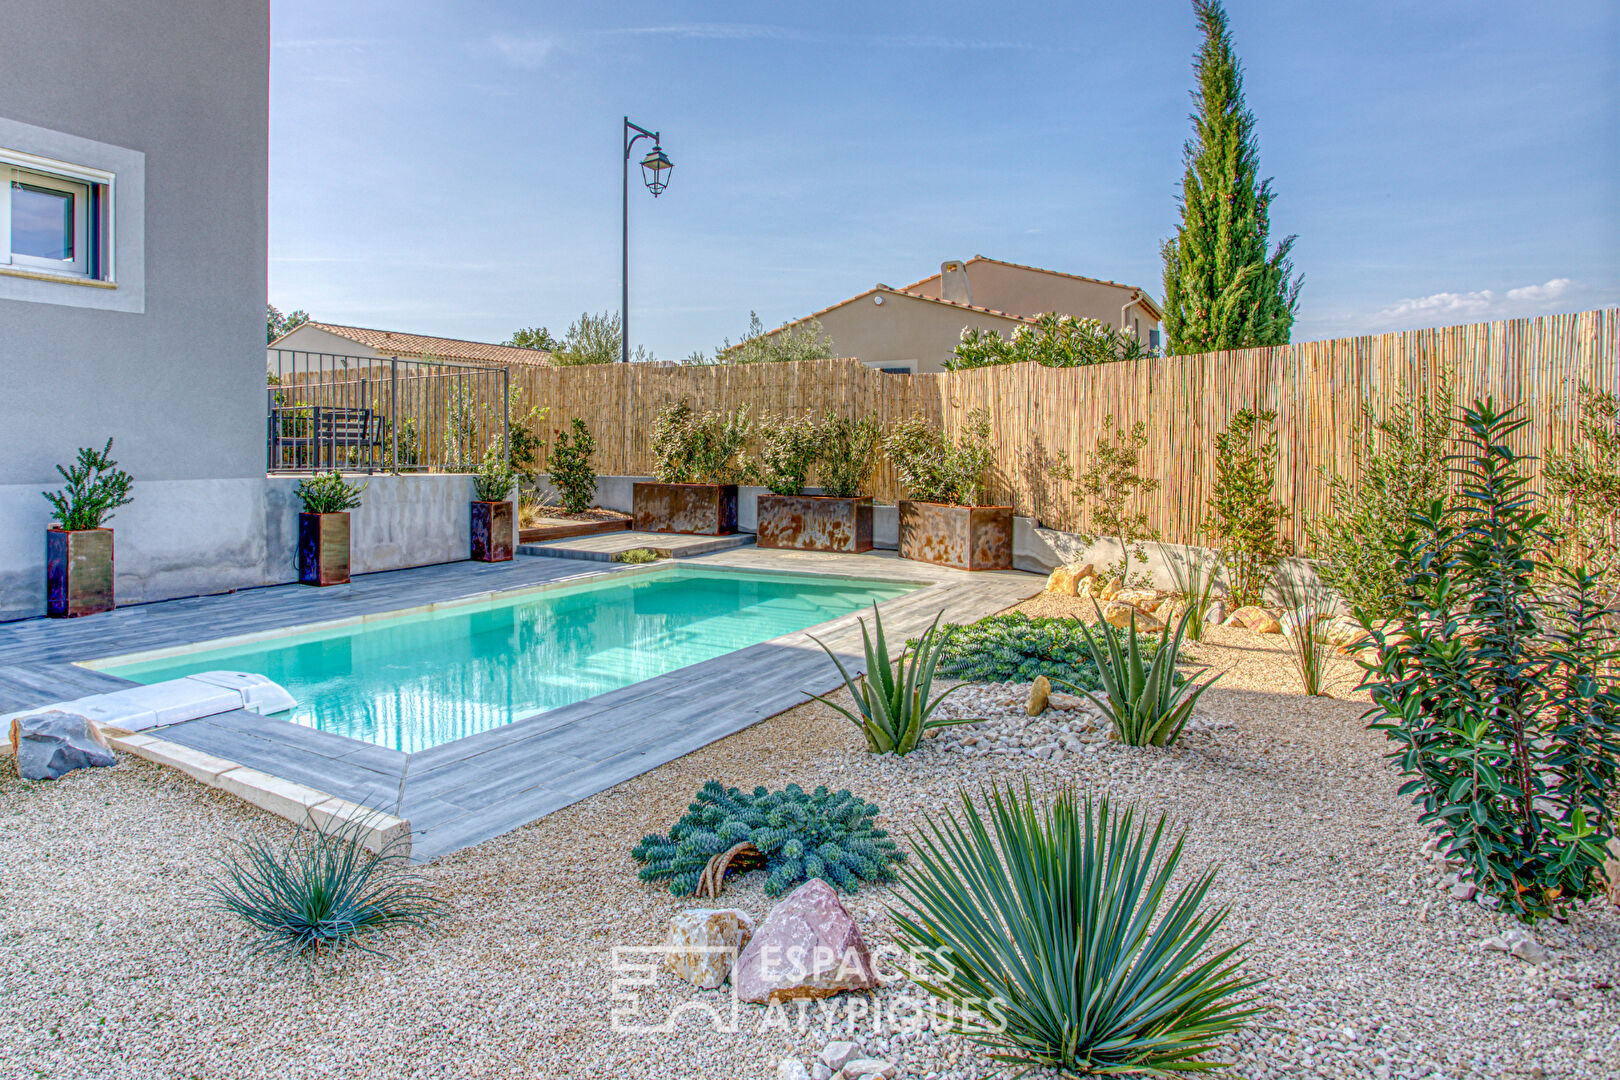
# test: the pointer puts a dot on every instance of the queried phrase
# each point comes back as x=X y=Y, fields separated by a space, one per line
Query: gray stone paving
x=475 y=788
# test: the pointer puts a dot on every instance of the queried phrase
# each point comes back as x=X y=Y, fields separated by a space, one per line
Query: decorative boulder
x=1039 y=694
x=1215 y=614
x=1119 y=614
x=50 y=744
x=1257 y=619
x=1147 y=600
x=1065 y=580
x=1111 y=589
x=704 y=943
x=1088 y=587
x=807 y=947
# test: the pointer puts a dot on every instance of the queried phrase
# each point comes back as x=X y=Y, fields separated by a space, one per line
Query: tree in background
x=1221 y=290
x=276 y=324
x=594 y=339
x=807 y=341
x=1111 y=486
x=1052 y=340
x=533 y=337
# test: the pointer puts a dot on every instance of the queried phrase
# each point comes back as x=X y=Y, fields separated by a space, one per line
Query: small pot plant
x=78 y=546
x=492 y=508
x=943 y=522
x=697 y=463
x=323 y=528
x=841 y=449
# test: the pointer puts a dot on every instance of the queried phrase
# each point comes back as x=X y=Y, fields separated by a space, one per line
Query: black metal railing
x=381 y=414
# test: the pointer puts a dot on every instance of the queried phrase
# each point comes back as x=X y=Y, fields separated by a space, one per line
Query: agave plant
x=317 y=895
x=895 y=709
x=1048 y=932
x=1147 y=701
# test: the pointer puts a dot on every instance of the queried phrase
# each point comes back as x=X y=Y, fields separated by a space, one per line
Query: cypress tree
x=1221 y=291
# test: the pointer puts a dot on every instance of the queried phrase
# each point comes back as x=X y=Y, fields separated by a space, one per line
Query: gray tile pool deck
x=469 y=790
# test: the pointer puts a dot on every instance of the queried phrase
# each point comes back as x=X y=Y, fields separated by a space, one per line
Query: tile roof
x=905 y=293
x=395 y=343
x=1151 y=303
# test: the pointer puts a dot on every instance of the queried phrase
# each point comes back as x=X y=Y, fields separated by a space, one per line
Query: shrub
x=1194 y=574
x=328 y=493
x=788 y=447
x=637 y=556
x=96 y=486
x=1307 y=604
x=1583 y=486
x=690 y=447
x=494 y=478
x=1243 y=514
x=934 y=469
x=845 y=453
x=1052 y=919
x=1053 y=340
x=1144 y=697
x=1506 y=719
x=1399 y=467
x=320 y=893
x=895 y=710
x=1016 y=648
x=1110 y=485
x=798 y=837
x=571 y=469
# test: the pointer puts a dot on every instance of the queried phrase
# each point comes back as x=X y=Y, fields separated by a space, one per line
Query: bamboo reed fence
x=1038 y=414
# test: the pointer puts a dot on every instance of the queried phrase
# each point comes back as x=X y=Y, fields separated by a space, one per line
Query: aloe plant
x=1051 y=931
x=895 y=710
x=1146 y=700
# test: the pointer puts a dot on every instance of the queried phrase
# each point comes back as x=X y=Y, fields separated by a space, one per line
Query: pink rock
x=808 y=947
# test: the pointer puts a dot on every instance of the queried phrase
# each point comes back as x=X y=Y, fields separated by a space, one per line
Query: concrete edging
x=298 y=803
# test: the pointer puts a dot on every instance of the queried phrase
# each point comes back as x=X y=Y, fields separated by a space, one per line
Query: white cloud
x=1442 y=308
x=524 y=52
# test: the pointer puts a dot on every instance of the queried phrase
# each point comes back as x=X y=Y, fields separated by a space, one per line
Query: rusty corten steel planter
x=699 y=509
x=815 y=523
x=966 y=537
x=491 y=531
x=78 y=572
x=323 y=548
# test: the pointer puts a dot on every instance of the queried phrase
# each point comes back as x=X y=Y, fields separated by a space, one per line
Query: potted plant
x=78 y=549
x=323 y=528
x=941 y=522
x=697 y=463
x=840 y=518
x=492 y=508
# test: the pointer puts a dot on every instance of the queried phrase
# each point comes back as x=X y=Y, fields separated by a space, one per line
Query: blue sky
x=453 y=168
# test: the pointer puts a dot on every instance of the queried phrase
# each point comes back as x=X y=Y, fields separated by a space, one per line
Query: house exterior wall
x=903 y=330
x=311 y=339
x=1031 y=292
x=178 y=384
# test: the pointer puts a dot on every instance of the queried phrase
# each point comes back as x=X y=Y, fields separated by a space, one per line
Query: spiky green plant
x=1194 y=574
x=1147 y=701
x=96 y=486
x=800 y=836
x=1308 y=604
x=328 y=493
x=895 y=709
x=1061 y=927
x=318 y=894
x=1016 y=648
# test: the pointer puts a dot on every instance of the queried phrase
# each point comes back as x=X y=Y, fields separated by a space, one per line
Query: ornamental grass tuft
x=1050 y=931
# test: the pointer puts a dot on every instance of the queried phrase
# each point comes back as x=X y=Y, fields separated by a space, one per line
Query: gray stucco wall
x=178 y=385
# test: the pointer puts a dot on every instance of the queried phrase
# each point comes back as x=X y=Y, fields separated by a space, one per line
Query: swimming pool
x=418 y=679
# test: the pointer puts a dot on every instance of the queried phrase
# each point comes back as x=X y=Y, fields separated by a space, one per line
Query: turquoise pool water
x=418 y=680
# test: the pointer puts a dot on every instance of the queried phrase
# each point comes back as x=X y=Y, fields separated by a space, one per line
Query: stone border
x=298 y=803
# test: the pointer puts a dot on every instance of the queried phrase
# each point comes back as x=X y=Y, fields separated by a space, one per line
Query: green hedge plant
x=932 y=467
x=328 y=493
x=845 y=453
x=495 y=476
x=96 y=486
x=788 y=449
x=799 y=837
x=1497 y=685
x=571 y=470
x=1052 y=930
x=691 y=447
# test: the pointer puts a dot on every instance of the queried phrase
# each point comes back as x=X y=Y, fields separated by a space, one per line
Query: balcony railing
x=381 y=414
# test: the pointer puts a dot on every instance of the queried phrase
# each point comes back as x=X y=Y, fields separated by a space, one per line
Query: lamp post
x=653 y=168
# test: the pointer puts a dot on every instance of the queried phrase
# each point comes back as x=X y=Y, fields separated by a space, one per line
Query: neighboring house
x=915 y=329
x=330 y=338
x=133 y=146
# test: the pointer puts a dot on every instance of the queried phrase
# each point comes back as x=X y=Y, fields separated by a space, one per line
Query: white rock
x=704 y=943
x=836 y=1054
x=792 y=1069
x=819 y=1071
x=862 y=1068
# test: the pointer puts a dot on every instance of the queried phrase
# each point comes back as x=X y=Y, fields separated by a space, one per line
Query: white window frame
x=92 y=247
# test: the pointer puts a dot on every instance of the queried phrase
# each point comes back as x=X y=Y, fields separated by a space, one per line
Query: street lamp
x=654 y=168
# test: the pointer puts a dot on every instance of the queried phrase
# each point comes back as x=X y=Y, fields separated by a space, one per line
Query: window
x=895 y=370
x=54 y=222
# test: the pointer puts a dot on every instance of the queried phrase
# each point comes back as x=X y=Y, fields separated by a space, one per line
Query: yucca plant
x=895 y=709
x=317 y=895
x=1049 y=930
x=1307 y=604
x=1147 y=701
x=1194 y=575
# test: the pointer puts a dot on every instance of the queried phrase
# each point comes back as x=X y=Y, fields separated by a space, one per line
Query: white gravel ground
x=114 y=968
